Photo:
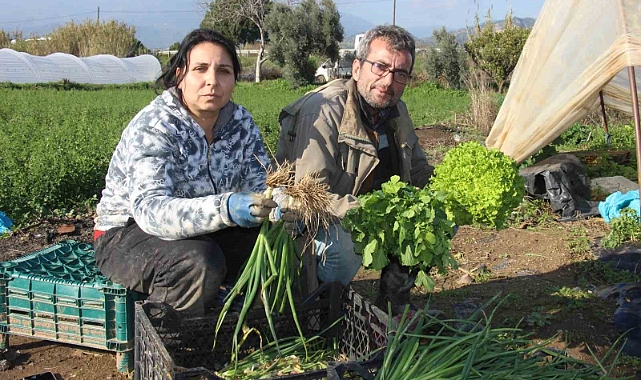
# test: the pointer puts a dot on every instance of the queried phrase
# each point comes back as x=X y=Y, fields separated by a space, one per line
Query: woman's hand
x=249 y=209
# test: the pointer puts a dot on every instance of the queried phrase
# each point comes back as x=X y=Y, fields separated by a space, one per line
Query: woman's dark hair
x=181 y=60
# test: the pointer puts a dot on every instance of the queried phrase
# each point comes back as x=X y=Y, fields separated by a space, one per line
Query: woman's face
x=208 y=81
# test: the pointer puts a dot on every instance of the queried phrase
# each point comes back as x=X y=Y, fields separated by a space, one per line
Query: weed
x=631 y=361
x=531 y=212
x=625 y=228
x=573 y=298
x=538 y=319
x=598 y=273
x=482 y=275
x=578 y=242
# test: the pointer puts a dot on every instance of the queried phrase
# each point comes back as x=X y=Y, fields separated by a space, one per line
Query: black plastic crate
x=170 y=348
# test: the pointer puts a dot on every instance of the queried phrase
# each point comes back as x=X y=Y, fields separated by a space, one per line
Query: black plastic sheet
x=562 y=181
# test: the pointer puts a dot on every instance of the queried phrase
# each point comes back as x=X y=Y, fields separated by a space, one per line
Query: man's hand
x=249 y=209
x=287 y=212
x=293 y=222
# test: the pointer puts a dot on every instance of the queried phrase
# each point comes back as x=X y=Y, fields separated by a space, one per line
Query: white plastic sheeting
x=18 y=67
x=576 y=49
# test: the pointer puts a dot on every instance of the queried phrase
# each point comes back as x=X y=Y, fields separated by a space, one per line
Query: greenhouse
x=18 y=67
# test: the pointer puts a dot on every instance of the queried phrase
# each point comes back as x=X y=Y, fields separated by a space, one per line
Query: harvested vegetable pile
x=423 y=347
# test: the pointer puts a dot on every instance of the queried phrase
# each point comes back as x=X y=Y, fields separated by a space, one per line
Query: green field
x=56 y=144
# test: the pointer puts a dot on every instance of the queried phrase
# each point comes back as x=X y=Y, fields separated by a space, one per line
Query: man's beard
x=369 y=98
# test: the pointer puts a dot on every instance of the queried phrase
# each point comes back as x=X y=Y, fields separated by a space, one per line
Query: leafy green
x=483 y=185
x=404 y=221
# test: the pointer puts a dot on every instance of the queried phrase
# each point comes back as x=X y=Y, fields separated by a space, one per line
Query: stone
x=611 y=185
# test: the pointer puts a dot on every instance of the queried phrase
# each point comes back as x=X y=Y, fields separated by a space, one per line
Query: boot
x=394 y=287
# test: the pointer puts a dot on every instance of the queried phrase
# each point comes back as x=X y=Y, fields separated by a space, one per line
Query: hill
x=461 y=33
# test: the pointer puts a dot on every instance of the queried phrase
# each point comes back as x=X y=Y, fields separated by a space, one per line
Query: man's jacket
x=166 y=176
x=323 y=133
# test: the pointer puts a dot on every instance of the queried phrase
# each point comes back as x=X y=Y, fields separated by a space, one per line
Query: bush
x=87 y=39
x=483 y=185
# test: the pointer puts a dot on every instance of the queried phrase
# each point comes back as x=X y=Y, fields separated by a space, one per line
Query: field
x=55 y=148
x=56 y=143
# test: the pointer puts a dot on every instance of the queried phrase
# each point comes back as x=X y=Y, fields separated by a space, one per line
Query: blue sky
x=161 y=22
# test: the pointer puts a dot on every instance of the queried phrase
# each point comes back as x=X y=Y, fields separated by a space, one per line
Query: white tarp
x=575 y=49
x=18 y=67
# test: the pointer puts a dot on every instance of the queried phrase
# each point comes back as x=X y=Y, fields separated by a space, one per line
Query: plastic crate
x=59 y=294
x=181 y=349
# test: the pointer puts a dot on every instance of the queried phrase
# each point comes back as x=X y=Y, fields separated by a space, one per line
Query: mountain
x=461 y=33
x=353 y=25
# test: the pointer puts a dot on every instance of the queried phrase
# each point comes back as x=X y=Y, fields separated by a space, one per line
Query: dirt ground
x=540 y=270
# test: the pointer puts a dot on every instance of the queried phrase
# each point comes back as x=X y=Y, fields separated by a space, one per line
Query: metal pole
x=394 y=14
x=637 y=126
x=605 y=120
x=98 y=13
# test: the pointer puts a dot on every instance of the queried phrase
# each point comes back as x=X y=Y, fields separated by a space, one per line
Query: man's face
x=381 y=91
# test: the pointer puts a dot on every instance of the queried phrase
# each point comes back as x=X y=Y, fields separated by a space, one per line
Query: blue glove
x=249 y=209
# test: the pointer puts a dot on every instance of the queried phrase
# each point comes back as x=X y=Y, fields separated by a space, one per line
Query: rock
x=465 y=279
x=611 y=185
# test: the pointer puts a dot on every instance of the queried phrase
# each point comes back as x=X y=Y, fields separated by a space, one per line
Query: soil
x=537 y=267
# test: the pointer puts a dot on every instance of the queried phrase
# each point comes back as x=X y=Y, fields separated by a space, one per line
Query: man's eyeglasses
x=381 y=69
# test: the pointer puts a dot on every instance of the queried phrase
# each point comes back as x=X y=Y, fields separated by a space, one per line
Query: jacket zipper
x=208 y=169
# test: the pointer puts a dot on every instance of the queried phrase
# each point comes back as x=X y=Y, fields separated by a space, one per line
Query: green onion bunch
x=424 y=347
x=272 y=269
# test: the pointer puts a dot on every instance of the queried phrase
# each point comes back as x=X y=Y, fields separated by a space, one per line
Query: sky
x=159 y=23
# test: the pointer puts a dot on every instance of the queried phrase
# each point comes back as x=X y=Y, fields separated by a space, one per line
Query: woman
x=184 y=185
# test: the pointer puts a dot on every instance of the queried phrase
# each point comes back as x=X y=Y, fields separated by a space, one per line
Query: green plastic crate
x=59 y=294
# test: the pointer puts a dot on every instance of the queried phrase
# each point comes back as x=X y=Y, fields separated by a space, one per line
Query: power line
x=363 y=2
x=148 y=12
x=45 y=19
x=88 y=13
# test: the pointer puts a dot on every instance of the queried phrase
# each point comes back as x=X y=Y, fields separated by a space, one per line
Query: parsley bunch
x=404 y=221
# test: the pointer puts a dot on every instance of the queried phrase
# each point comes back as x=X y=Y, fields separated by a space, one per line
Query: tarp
x=575 y=49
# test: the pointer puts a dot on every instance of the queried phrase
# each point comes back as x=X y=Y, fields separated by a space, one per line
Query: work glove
x=248 y=209
x=292 y=220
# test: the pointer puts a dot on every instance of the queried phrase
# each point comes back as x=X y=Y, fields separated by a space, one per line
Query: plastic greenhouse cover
x=19 y=67
x=576 y=49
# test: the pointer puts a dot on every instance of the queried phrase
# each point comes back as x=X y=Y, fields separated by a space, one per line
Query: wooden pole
x=605 y=119
x=637 y=126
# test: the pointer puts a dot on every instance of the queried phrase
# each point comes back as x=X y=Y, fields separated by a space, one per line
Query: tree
x=174 y=46
x=236 y=12
x=446 y=60
x=497 y=52
x=298 y=31
x=243 y=32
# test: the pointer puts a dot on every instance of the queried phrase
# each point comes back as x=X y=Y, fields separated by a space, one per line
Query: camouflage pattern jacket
x=174 y=184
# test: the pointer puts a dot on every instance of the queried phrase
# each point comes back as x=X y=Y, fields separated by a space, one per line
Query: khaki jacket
x=323 y=133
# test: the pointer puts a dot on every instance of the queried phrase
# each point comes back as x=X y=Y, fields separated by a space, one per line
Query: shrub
x=87 y=39
x=483 y=185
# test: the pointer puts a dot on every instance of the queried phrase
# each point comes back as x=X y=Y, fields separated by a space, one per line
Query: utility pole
x=99 y=12
x=394 y=14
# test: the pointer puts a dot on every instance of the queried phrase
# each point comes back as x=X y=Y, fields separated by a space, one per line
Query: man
x=356 y=134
